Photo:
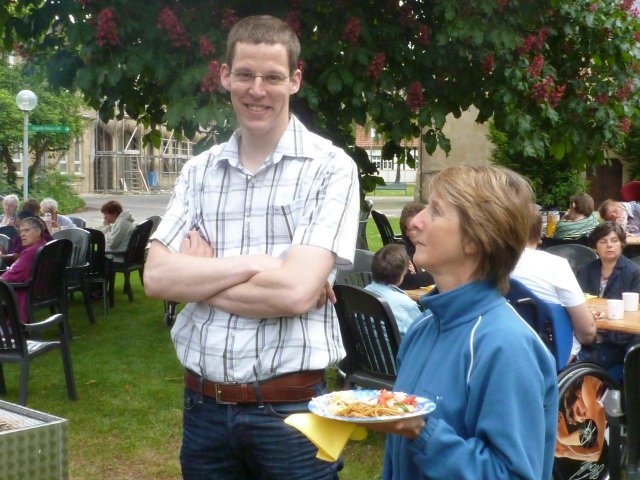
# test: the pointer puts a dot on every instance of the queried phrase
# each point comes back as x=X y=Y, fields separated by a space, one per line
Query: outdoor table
x=416 y=293
x=630 y=323
x=632 y=249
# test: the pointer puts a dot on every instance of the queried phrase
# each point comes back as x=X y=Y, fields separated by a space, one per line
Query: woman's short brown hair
x=582 y=203
x=112 y=206
x=494 y=204
x=389 y=264
x=409 y=211
x=604 y=229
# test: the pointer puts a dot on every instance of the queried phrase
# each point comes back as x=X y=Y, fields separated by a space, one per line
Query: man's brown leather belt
x=289 y=388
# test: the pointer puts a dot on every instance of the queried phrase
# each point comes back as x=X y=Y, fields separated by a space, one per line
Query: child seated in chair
x=388 y=268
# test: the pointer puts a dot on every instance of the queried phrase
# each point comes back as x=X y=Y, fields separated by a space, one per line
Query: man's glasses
x=25 y=230
x=269 y=78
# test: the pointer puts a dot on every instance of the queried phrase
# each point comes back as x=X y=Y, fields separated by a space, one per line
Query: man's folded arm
x=291 y=290
x=186 y=277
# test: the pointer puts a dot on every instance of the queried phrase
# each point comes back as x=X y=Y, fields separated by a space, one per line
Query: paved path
x=144 y=205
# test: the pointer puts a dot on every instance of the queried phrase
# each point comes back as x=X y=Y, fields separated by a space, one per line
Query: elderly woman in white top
x=10 y=208
x=50 y=206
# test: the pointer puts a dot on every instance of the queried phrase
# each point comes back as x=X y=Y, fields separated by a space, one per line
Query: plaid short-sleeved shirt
x=306 y=193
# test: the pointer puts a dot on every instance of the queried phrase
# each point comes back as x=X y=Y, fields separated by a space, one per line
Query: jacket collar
x=462 y=304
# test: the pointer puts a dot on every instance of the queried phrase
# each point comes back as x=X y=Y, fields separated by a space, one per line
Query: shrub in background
x=553 y=181
x=55 y=185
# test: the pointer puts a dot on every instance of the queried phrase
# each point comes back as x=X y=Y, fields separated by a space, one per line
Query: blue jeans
x=242 y=442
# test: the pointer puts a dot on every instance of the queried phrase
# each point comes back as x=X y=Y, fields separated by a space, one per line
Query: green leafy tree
x=553 y=181
x=556 y=76
x=56 y=106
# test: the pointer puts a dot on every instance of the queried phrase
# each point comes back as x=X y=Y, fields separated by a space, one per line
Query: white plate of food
x=370 y=406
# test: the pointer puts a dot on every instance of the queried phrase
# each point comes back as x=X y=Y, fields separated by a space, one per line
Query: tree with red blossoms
x=556 y=77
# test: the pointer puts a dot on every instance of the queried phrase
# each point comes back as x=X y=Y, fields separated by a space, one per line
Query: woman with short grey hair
x=10 y=207
x=50 y=206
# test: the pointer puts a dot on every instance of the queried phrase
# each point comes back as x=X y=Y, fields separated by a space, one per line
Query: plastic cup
x=630 y=300
x=615 y=309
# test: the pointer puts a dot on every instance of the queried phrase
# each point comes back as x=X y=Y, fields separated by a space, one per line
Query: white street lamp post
x=26 y=101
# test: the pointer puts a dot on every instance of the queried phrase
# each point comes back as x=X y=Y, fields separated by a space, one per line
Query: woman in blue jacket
x=492 y=379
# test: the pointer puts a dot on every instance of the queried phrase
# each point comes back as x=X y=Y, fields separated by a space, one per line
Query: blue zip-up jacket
x=495 y=388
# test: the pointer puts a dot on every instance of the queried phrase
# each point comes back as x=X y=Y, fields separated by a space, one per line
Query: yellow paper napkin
x=330 y=436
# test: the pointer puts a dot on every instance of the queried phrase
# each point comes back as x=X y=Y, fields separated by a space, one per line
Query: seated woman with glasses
x=32 y=231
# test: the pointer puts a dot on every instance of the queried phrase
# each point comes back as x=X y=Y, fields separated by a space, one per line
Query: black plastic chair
x=632 y=404
x=97 y=274
x=78 y=264
x=577 y=255
x=47 y=286
x=10 y=231
x=370 y=336
x=133 y=259
x=361 y=263
x=385 y=228
x=15 y=348
x=155 y=220
x=552 y=242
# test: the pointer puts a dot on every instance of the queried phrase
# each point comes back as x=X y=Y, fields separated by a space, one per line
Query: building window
x=78 y=146
x=62 y=164
x=16 y=156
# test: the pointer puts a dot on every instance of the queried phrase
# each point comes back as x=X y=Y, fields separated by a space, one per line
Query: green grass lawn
x=127 y=421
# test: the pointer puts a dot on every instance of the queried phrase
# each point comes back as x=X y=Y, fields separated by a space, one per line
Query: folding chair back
x=577 y=255
x=370 y=336
x=385 y=229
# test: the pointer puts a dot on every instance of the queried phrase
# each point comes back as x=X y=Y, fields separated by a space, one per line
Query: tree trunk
x=7 y=159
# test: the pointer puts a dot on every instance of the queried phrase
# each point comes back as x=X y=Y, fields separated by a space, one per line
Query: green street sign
x=50 y=128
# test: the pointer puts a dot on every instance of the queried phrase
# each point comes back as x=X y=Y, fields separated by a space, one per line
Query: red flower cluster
x=488 y=64
x=107 y=32
x=229 y=19
x=407 y=18
x=206 y=47
x=169 y=21
x=636 y=36
x=423 y=35
x=535 y=68
x=546 y=90
x=602 y=98
x=625 y=91
x=625 y=125
x=502 y=4
x=83 y=3
x=626 y=5
x=593 y=7
x=534 y=42
x=293 y=20
x=351 y=31
x=376 y=66
x=415 y=98
x=211 y=81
